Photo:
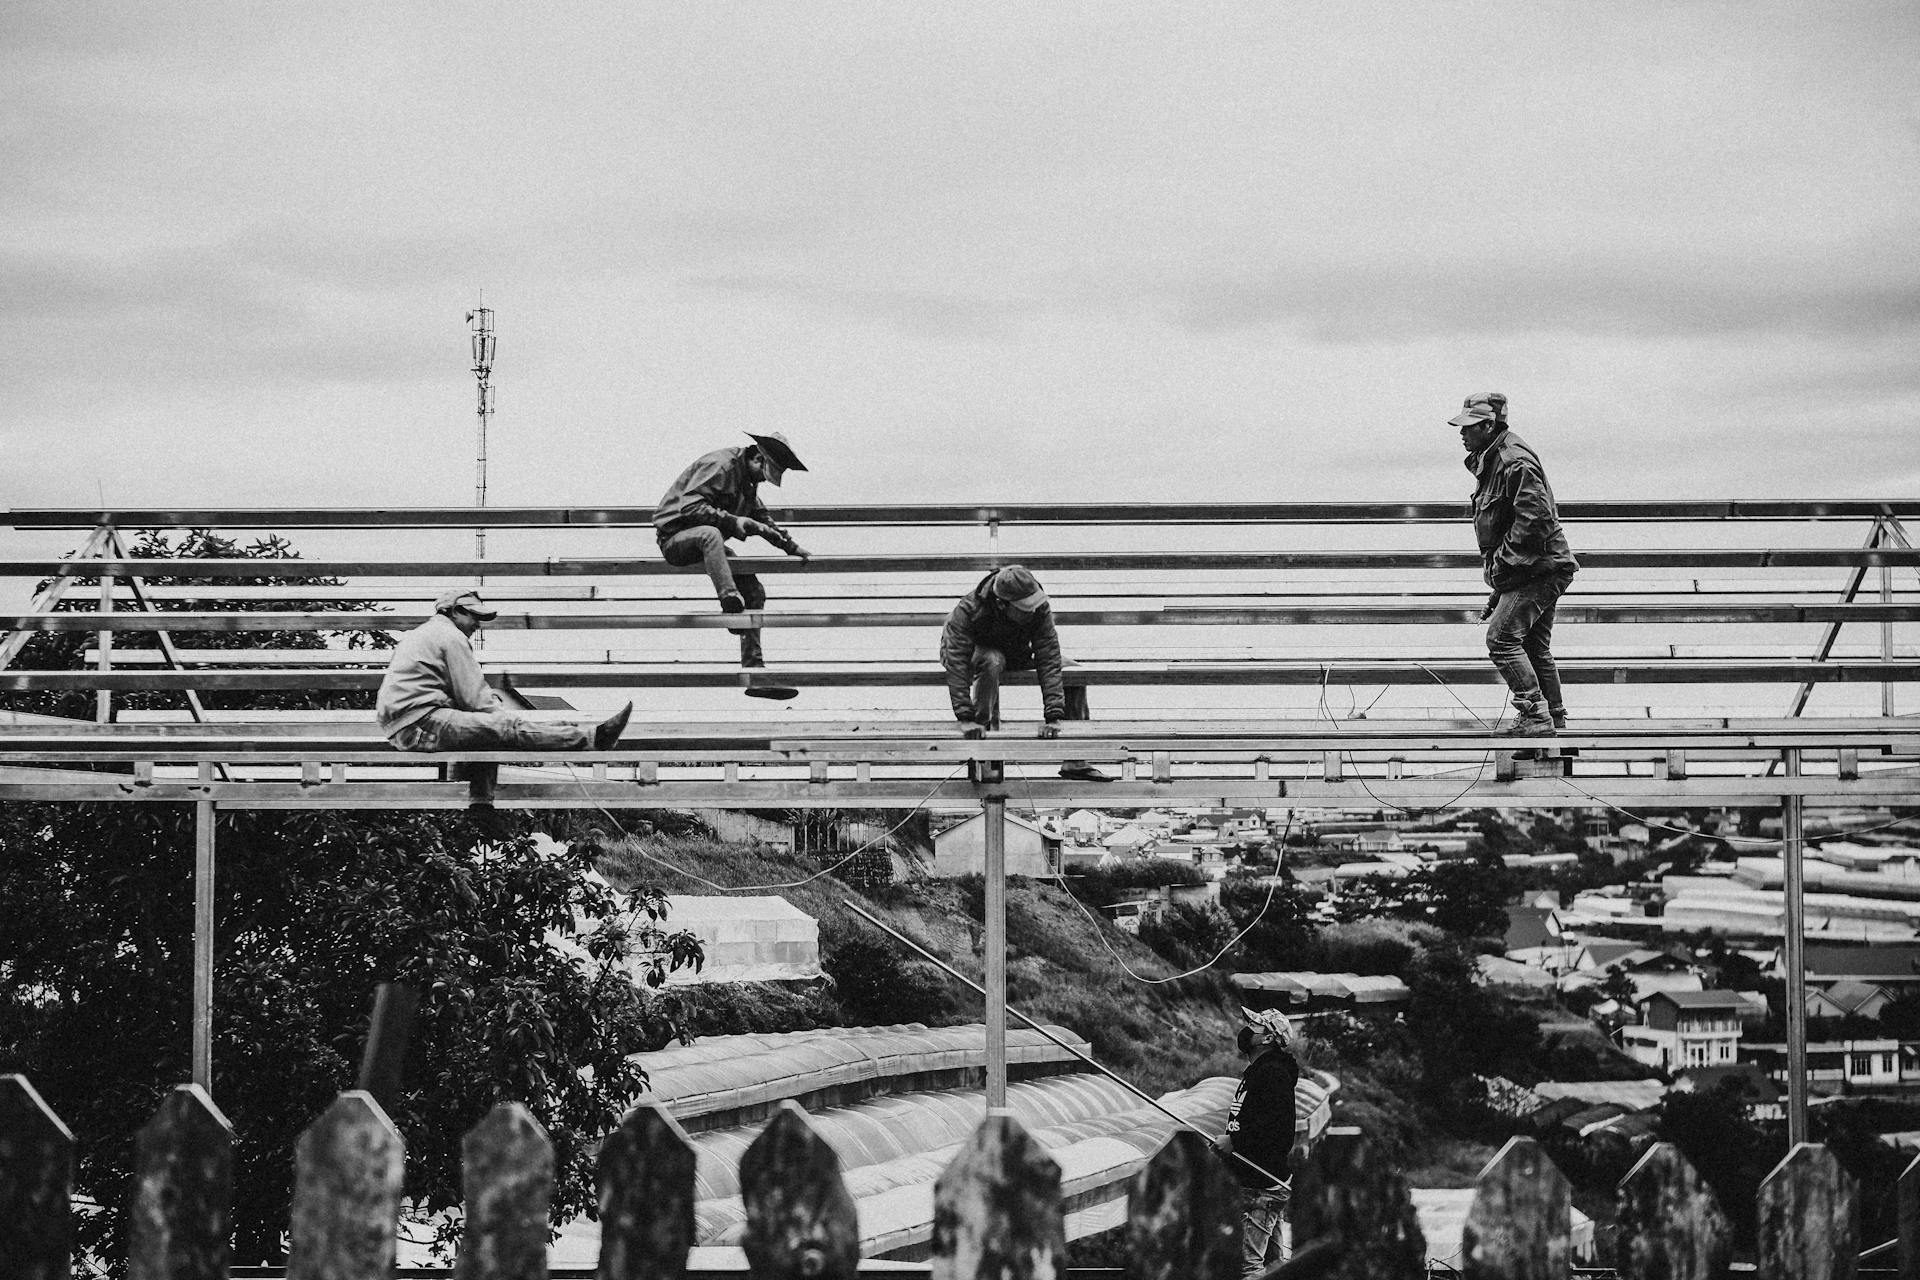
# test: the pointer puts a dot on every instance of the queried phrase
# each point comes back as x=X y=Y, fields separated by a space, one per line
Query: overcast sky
x=956 y=252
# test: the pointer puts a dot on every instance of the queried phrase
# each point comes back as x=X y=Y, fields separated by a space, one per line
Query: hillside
x=1064 y=966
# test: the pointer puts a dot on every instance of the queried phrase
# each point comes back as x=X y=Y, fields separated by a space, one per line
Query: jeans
x=706 y=546
x=444 y=729
x=1262 y=1230
x=989 y=666
x=1520 y=639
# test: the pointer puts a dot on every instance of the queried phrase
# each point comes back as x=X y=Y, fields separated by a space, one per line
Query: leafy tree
x=1188 y=934
x=513 y=950
x=1724 y=1147
x=1617 y=985
x=1467 y=898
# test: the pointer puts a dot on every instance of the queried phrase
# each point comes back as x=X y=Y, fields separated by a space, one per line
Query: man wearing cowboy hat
x=1006 y=624
x=433 y=697
x=1525 y=560
x=1262 y=1137
x=718 y=498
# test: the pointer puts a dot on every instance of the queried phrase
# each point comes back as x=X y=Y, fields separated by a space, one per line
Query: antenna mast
x=480 y=319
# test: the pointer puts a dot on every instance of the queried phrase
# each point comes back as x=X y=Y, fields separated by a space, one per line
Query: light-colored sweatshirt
x=433 y=666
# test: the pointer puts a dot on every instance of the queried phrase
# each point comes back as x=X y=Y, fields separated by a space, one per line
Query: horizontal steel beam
x=1091 y=674
x=975 y=562
x=944 y=514
x=1408 y=793
x=1370 y=615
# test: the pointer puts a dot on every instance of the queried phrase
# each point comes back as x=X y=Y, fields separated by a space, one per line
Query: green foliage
x=879 y=984
x=1617 y=985
x=313 y=909
x=1727 y=1150
x=1188 y=934
x=66 y=650
x=1461 y=897
x=1282 y=935
x=511 y=949
x=1102 y=885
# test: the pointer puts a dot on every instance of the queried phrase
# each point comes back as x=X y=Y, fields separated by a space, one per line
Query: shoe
x=607 y=733
x=1532 y=722
x=1081 y=771
x=774 y=692
x=732 y=602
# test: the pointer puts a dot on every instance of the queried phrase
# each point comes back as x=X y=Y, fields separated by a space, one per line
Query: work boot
x=1532 y=722
x=1559 y=717
x=732 y=602
x=607 y=733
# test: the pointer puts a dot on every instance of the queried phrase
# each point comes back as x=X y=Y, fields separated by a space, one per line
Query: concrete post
x=203 y=819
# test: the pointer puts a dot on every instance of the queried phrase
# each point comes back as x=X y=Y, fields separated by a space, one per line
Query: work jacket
x=980 y=621
x=718 y=490
x=1514 y=518
x=432 y=667
x=1261 y=1118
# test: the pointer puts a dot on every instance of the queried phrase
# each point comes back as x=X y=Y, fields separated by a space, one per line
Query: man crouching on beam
x=1006 y=624
x=433 y=697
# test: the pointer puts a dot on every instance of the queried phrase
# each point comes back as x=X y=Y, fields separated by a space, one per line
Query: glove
x=1487 y=611
x=971 y=729
x=1050 y=730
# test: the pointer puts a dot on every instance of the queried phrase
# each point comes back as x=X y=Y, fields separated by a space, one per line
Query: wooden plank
x=180 y=1219
x=996 y=1208
x=348 y=1169
x=36 y=1183
x=1808 y=1226
x=1521 y=1221
x=801 y=1223
x=1784 y=509
x=1348 y=1194
x=1671 y=1227
x=1182 y=1221
x=646 y=1191
x=507 y=1187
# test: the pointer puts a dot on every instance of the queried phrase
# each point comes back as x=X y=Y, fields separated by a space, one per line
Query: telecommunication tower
x=480 y=320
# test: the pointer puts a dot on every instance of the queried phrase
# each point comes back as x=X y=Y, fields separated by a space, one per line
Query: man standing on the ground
x=1526 y=561
x=1261 y=1138
x=434 y=698
x=1006 y=624
x=717 y=498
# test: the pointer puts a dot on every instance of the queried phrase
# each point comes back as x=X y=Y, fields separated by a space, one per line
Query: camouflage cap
x=1274 y=1024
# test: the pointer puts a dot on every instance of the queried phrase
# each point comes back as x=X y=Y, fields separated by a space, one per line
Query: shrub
x=876 y=986
x=1188 y=934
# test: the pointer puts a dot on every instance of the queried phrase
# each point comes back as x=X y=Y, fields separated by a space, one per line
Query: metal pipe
x=1071 y=1048
x=203 y=820
x=1794 y=958
x=103 y=644
x=994 y=908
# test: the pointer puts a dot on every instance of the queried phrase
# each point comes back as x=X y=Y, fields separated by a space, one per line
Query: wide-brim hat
x=775 y=446
x=465 y=598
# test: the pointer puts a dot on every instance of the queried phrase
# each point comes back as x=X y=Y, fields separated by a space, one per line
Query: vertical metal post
x=995 y=909
x=103 y=642
x=1886 y=635
x=203 y=818
x=1794 y=954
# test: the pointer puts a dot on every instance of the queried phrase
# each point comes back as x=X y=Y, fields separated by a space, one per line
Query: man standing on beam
x=434 y=698
x=1006 y=624
x=1525 y=560
x=717 y=498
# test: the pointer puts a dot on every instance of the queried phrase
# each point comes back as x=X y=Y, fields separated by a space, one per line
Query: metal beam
x=994 y=945
x=981 y=562
x=64 y=573
x=1794 y=957
x=203 y=872
x=942 y=514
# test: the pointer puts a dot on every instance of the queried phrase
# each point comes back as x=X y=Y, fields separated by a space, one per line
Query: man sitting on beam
x=716 y=498
x=1006 y=624
x=433 y=697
